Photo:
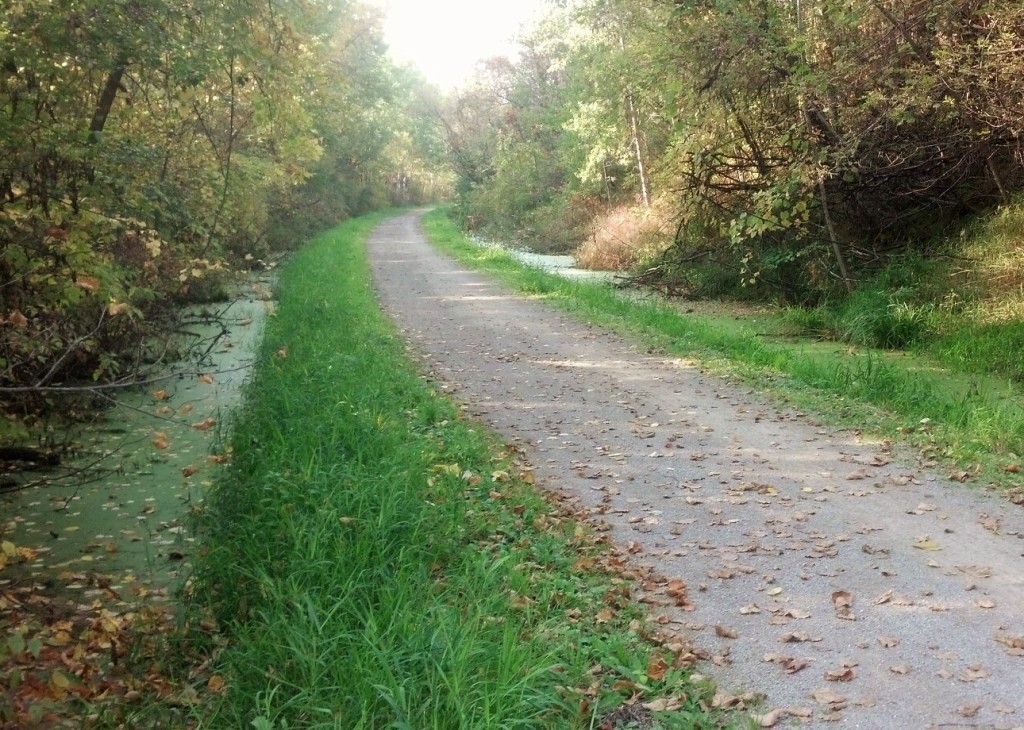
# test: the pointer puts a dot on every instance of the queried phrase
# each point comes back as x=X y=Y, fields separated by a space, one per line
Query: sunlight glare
x=446 y=38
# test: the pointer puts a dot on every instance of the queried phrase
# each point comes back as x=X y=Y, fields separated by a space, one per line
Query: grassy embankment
x=372 y=560
x=956 y=397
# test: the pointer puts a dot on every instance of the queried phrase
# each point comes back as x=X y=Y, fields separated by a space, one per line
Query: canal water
x=113 y=519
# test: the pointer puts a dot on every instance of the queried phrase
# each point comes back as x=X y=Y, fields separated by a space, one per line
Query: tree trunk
x=105 y=103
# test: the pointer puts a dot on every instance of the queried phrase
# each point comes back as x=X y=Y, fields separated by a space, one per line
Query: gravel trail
x=822 y=571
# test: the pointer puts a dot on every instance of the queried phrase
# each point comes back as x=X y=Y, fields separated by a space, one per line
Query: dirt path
x=908 y=589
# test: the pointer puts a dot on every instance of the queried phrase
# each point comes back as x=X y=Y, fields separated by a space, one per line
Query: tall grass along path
x=823 y=572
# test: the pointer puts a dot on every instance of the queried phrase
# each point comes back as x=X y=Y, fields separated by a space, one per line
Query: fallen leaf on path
x=751 y=609
x=843 y=601
x=771 y=719
x=789 y=664
x=724 y=699
x=725 y=632
x=798 y=636
x=888 y=642
x=924 y=542
x=1014 y=644
x=976 y=571
x=208 y=379
x=985 y=603
x=841 y=674
x=973 y=673
x=160 y=440
x=899 y=669
x=829 y=697
x=160 y=395
x=205 y=425
x=795 y=613
x=968 y=710
x=991 y=523
x=857 y=475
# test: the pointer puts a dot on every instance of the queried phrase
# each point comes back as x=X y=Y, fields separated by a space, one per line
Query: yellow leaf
x=115 y=309
x=58 y=680
x=9 y=548
x=926 y=543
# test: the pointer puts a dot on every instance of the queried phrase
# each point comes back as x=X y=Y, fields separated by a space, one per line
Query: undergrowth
x=372 y=560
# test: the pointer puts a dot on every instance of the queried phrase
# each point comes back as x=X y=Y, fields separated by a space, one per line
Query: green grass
x=373 y=561
x=962 y=416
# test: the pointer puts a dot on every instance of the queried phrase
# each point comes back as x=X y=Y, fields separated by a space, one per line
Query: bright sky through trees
x=445 y=38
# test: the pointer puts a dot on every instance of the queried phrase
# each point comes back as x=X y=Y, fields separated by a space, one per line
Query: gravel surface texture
x=821 y=571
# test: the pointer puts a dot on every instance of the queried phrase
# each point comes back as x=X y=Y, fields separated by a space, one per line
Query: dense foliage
x=795 y=144
x=148 y=145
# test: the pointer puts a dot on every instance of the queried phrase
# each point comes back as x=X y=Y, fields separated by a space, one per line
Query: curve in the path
x=771 y=520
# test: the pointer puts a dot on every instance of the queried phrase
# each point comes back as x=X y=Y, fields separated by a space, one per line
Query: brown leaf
x=968 y=710
x=116 y=309
x=656 y=668
x=843 y=600
x=789 y=664
x=796 y=613
x=282 y=352
x=160 y=440
x=189 y=470
x=215 y=683
x=985 y=603
x=973 y=673
x=857 y=475
x=899 y=669
x=725 y=632
x=798 y=636
x=991 y=523
x=18 y=319
x=771 y=719
x=208 y=379
x=841 y=674
x=752 y=608
x=160 y=395
x=664 y=704
x=888 y=642
x=827 y=696
x=205 y=424
x=89 y=283
x=1012 y=643
x=604 y=616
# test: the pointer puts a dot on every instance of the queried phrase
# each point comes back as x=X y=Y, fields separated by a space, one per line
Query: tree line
x=147 y=147
x=787 y=146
